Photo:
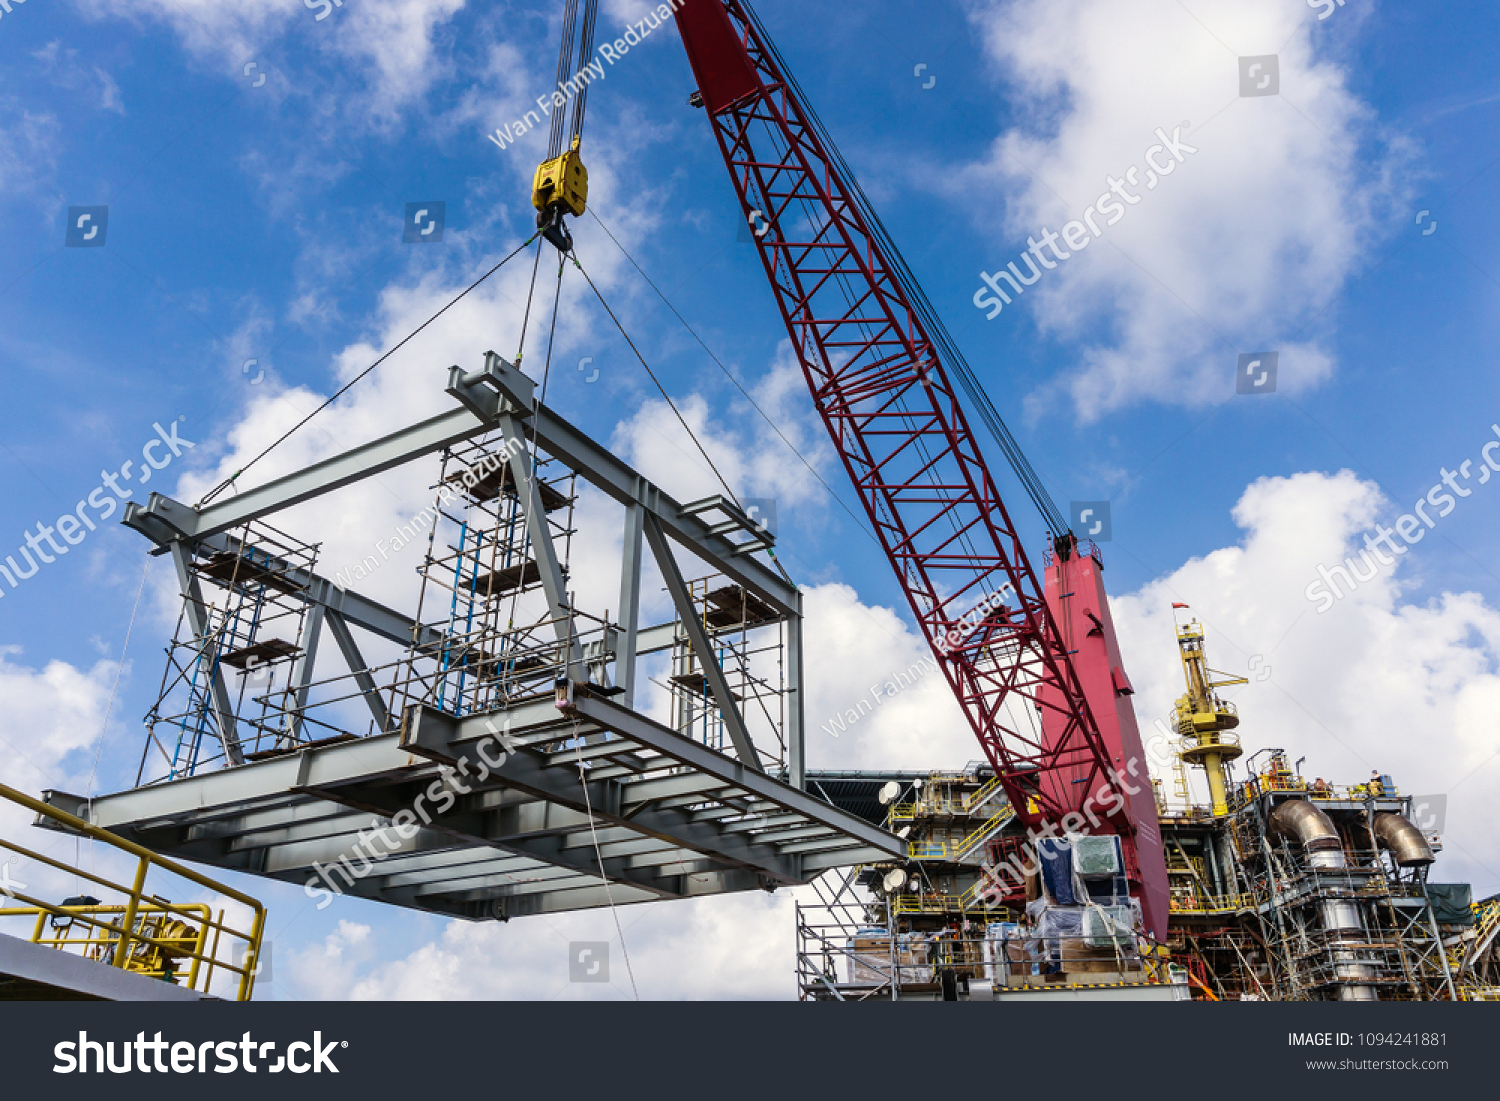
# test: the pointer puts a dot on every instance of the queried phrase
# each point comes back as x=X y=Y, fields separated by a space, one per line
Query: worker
x=1375 y=787
x=1320 y=786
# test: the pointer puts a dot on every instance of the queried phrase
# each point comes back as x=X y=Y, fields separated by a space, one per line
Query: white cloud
x=1383 y=680
x=396 y=38
x=865 y=660
x=1241 y=248
x=29 y=146
x=725 y=947
x=742 y=444
x=390 y=43
x=54 y=717
x=51 y=714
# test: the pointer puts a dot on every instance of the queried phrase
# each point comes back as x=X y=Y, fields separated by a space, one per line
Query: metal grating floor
x=671 y=818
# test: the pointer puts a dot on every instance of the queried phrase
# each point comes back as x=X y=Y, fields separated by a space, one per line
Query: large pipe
x=1324 y=849
x=1301 y=821
x=1396 y=833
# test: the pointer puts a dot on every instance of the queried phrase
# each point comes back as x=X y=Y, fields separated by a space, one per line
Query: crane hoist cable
x=561 y=185
x=659 y=387
x=859 y=521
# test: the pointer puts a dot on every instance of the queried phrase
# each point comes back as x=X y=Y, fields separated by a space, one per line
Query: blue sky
x=265 y=222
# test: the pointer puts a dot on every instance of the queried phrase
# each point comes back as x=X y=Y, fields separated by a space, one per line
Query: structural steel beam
x=796 y=753
x=702 y=760
x=485 y=394
x=424 y=438
x=539 y=535
x=303 y=668
x=442 y=738
x=630 y=601
x=359 y=611
x=197 y=614
x=687 y=614
x=360 y=668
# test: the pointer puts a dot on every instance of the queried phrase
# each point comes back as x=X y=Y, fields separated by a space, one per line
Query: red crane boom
x=885 y=395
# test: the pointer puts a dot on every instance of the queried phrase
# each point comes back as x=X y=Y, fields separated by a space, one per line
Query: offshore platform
x=1282 y=889
x=493 y=749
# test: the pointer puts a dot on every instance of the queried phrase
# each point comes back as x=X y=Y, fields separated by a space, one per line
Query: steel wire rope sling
x=344 y=389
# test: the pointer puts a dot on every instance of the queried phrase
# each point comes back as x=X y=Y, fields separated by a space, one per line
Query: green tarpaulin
x=1451 y=903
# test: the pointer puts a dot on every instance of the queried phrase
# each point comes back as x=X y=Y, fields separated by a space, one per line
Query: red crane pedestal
x=1080 y=608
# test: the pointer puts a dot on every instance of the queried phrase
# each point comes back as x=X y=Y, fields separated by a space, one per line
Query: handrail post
x=192 y=979
x=252 y=956
x=128 y=924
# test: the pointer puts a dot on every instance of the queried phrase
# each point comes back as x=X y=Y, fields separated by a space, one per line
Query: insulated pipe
x=1303 y=822
x=1396 y=833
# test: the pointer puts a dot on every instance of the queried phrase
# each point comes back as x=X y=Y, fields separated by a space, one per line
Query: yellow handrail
x=940 y=850
x=978 y=798
x=1219 y=904
x=128 y=931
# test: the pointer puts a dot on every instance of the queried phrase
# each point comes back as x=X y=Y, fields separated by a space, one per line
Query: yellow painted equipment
x=1203 y=719
x=145 y=933
x=562 y=180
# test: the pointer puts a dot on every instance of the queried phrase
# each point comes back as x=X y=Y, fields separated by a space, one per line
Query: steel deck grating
x=671 y=818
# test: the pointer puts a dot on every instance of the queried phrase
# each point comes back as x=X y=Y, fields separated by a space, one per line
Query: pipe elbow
x=1301 y=821
x=1396 y=833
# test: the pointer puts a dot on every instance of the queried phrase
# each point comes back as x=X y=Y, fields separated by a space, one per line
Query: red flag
x=1176 y=605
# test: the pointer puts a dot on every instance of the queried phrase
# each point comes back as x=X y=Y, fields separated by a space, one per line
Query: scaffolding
x=239 y=659
x=486 y=637
x=749 y=645
x=945 y=922
x=497 y=748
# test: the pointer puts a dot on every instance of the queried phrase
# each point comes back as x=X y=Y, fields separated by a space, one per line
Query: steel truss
x=591 y=800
